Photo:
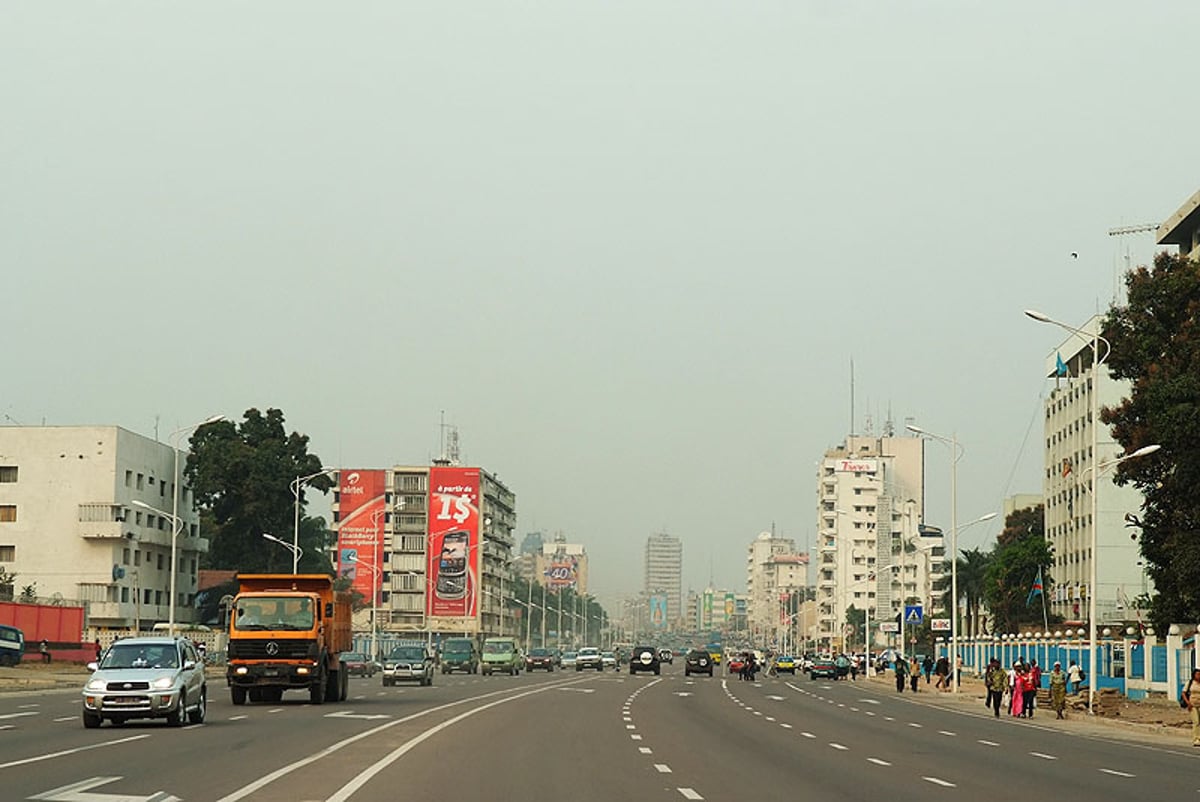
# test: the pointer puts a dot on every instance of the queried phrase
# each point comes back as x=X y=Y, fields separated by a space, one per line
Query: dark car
x=823 y=667
x=697 y=661
x=539 y=658
x=358 y=664
x=644 y=658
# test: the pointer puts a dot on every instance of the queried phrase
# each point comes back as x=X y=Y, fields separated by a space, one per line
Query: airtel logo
x=352 y=478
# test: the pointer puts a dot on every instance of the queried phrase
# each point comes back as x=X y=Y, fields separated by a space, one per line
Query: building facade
x=875 y=553
x=69 y=527
x=1067 y=484
x=776 y=575
x=663 y=572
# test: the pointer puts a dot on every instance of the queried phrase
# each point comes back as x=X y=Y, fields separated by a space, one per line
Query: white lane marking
x=786 y=726
x=869 y=712
x=988 y=743
x=842 y=705
x=635 y=737
x=854 y=710
x=49 y=755
x=918 y=726
x=759 y=714
x=869 y=701
x=6 y=727
x=808 y=735
x=1116 y=773
x=30 y=704
x=627 y=718
x=662 y=768
x=772 y=718
x=839 y=746
x=18 y=715
x=645 y=750
x=76 y=792
x=65 y=718
x=688 y=793
x=634 y=726
x=347 y=790
x=878 y=762
x=1043 y=756
x=946 y=732
x=937 y=781
x=280 y=709
x=888 y=718
x=776 y=698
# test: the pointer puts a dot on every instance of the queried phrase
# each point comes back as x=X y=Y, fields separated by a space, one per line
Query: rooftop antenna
x=851 y=396
x=452 y=452
x=1126 y=231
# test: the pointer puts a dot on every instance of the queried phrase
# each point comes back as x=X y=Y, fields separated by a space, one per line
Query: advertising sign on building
x=658 y=610
x=730 y=606
x=939 y=624
x=454 y=556
x=856 y=466
x=889 y=626
x=361 y=498
x=562 y=571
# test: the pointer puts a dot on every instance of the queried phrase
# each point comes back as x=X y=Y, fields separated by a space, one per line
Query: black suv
x=697 y=661
x=644 y=658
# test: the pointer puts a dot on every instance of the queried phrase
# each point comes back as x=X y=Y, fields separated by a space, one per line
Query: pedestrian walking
x=1030 y=691
x=44 y=648
x=927 y=667
x=1017 y=689
x=1193 y=704
x=1035 y=675
x=1074 y=676
x=1058 y=690
x=900 y=667
x=997 y=683
x=99 y=651
x=914 y=671
x=942 y=670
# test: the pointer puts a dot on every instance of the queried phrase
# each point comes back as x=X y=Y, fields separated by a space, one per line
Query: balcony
x=102 y=530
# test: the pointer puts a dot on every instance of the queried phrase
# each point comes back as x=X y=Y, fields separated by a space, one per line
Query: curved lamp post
x=174 y=438
x=296 y=484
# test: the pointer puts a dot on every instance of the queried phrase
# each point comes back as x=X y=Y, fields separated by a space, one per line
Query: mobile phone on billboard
x=452 y=566
x=348 y=563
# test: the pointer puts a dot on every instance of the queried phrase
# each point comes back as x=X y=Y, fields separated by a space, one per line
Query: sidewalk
x=31 y=676
x=1157 y=721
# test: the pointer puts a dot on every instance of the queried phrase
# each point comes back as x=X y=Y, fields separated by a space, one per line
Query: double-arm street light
x=1098 y=359
x=176 y=527
x=296 y=484
x=285 y=544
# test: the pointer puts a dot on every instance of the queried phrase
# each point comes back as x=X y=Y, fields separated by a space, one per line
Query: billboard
x=361 y=500
x=730 y=606
x=453 y=566
x=658 y=610
x=562 y=571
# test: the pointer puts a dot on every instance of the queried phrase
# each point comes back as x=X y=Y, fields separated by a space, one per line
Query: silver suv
x=158 y=677
x=408 y=663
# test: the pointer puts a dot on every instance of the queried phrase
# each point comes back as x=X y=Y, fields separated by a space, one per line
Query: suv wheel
x=175 y=717
x=197 y=716
x=91 y=720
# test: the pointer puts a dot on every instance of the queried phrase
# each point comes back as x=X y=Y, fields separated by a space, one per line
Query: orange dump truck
x=288 y=631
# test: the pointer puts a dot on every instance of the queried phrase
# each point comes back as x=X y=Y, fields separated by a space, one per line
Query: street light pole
x=295 y=485
x=176 y=527
x=174 y=438
x=283 y=543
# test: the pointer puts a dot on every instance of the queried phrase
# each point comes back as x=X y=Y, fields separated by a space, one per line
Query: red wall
x=61 y=626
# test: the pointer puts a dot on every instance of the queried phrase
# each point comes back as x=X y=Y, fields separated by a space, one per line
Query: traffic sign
x=940 y=624
x=889 y=626
x=912 y=614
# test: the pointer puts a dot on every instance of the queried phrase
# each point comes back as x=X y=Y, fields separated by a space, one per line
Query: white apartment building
x=69 y=525
x=1068 y=476
x=775 y=571
x=870 y=500
x=664 y=572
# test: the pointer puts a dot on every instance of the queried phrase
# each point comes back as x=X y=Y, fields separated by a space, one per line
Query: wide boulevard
x=578 y=736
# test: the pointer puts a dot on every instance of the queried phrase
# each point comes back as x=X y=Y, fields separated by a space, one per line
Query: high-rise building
x=775 y=581
x=1065 y=486
x=664 y=573
x=71 y=531
x=875 y=553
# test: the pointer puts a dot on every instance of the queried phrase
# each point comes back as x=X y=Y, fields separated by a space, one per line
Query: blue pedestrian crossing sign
x=912 y=614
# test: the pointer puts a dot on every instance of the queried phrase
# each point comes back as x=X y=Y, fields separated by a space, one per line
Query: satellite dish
x=117 y=572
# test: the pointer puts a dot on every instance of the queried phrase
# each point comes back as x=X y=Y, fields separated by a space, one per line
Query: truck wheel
x=333 y=685
x=238 y=695
x=316 y=691
x=344 y=689
x=256 y=695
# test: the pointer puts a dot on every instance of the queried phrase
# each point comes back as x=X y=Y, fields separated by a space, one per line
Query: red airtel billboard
x=361 y=509
x=453 y=551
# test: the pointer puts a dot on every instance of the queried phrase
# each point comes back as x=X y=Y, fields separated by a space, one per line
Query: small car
x=539 y=658
x=567 y=660
x=644 y=658
x=823 y=667
x=150 y=677
x=359 y=664
x=589 y=657
x=610 y=660
x=697 y=661
x=785 y=664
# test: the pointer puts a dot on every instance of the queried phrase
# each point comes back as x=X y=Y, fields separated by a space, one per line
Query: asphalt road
x=578 y=736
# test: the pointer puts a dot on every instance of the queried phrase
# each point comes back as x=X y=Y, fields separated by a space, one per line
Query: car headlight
x=95 y=685
x=163 y=683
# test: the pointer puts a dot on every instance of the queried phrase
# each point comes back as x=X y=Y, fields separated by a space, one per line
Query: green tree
x=242 y=477
x=1021 y=550
x=972 y=581
x=1155 y=341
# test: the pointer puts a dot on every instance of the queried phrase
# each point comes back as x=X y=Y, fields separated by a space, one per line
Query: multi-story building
x=399 y=539
x=664 y=573
x=717 y=610
x=875 y=553
x=70 y=528
x=776 y=575
x=1069 y=464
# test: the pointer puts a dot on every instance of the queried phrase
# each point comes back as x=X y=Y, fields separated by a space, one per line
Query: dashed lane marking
x=1043 y=756
x=238 y=718
x=946 y=732
x=662 y=768
x=808 y=735
x=988 y=743
x=786 y=726
x=878 y=762
x=645 y=750
x=938 y=781
x=688 y=793
x=839 y=747
x=1116 y=773
x=635 y=737
x=914 y=724
x=65 y=718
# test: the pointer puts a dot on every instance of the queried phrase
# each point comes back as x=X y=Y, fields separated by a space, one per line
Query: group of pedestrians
x=1020 y=685
x=909 y=672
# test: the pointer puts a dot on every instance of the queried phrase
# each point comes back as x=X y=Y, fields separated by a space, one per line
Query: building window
x=8 y=474
x=160 y=562
x=128 y=483
x=8 y=554
x=141 y=481
x=124 y=594
x=8 y=513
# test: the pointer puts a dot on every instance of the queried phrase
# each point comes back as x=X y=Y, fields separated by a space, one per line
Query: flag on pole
x=1036 y=590
x=1060 y=367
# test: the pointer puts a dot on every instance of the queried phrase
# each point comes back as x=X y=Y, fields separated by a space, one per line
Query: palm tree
x=972 y=570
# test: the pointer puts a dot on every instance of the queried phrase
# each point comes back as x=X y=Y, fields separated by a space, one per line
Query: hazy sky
x=629 y=248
